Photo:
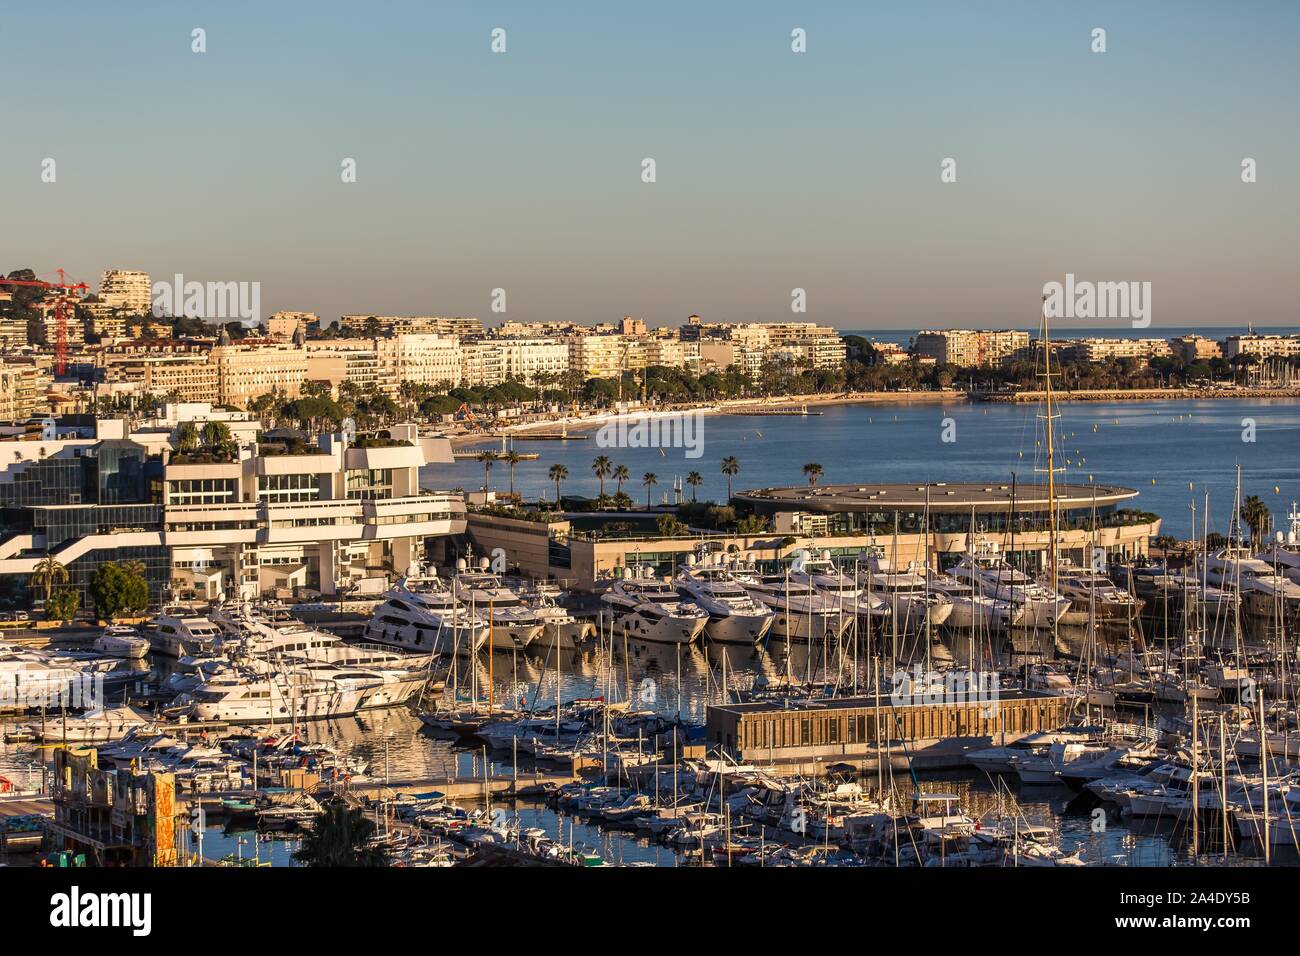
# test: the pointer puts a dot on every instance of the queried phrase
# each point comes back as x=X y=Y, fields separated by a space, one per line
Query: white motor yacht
x=118 y=640
x=910 y=594
x=803 y=611
x=421 y=614
x=648 y=609
x=734 y=616
x=515 y=625
x=181 y=633
x=989 y=573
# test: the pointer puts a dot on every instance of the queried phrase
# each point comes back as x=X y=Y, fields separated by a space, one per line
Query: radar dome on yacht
x=484 y=564
x=462 y=564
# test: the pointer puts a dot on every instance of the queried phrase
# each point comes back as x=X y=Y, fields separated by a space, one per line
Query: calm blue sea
x=1171 y=452
x=1116 y=331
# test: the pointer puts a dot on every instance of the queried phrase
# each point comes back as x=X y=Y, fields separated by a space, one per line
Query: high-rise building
x=127 y=291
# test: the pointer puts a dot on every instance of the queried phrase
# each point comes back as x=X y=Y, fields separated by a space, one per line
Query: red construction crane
x=60 y=312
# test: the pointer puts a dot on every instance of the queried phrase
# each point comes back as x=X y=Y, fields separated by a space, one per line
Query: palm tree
x=341 y=836
x=649 y=479
x=513 y=458
x=813 y=471
x=49 y=574
x=602 y=467
x=1257 y=517
x=557 y=474
x=621 y=474
x=730 y=468
x=694 y=479
x=487 y=459
x=216 y=437
x=187 y=438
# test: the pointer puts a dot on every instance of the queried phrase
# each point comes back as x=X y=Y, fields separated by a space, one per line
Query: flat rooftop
x=943 y=496
x=884 y=701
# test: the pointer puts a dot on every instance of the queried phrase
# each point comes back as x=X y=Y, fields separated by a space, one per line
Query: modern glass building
x=108 y=488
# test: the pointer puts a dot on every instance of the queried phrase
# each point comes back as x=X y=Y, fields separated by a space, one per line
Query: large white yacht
x=178 y=632
x=909 y=593
x=734 y=616
x=1264 y=591
x=296 y=691
x=421 y=614
x=30 y=679
x=989 y=573
x=256 y=696
x=803 y=613
x=843 y=590
x=971 y=609
x=1284 y=556
x=648 y=609
x=515 y=625
x=118 y=640
x=559 y=627
x=1092 y=594
x=262 y=631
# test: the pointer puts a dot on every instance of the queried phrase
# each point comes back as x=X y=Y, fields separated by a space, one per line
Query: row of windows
x=288 y=489
x=370 y=483
x=201 y=491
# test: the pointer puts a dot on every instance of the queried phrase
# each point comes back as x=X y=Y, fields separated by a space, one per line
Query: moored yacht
x=515 y=625
x=1264 y=591
x=909 y=593
x=803 y=612
x=734 y=616
x=118 y=640
x=181 y=633
x=972 y=610
x=1093 y=596
x=648 y=609
x=560 y=628
x=988 y=572
x=421 y=614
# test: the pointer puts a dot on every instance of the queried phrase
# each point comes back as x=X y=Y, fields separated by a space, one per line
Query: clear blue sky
x=775 y=170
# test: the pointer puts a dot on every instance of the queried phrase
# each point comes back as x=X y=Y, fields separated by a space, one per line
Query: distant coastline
x=580 y=423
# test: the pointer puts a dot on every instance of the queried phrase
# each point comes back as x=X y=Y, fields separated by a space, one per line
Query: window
x=370 y=483
x=288 y=489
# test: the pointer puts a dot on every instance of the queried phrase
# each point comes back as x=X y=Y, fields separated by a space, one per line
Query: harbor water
x=1171 y=452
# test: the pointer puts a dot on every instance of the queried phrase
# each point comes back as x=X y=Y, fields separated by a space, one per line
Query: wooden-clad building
x=860 y=730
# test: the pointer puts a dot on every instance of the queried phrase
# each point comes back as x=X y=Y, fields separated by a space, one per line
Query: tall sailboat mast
x=1051 y=445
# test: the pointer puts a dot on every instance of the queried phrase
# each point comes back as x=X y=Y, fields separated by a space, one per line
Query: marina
x=551 y=447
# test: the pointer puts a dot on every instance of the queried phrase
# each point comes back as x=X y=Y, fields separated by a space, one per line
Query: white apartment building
x=250 y=368
x=606 y=356
x=1261 y=346
x=357 y=361
x=1107 y=350
x=520 y=359
x=969 y=347
x=126 y=290
x=420 y=358
x=1195 y=348
x=162 y=367
x=283 y=326
x=458 y=326
x=23 y=384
